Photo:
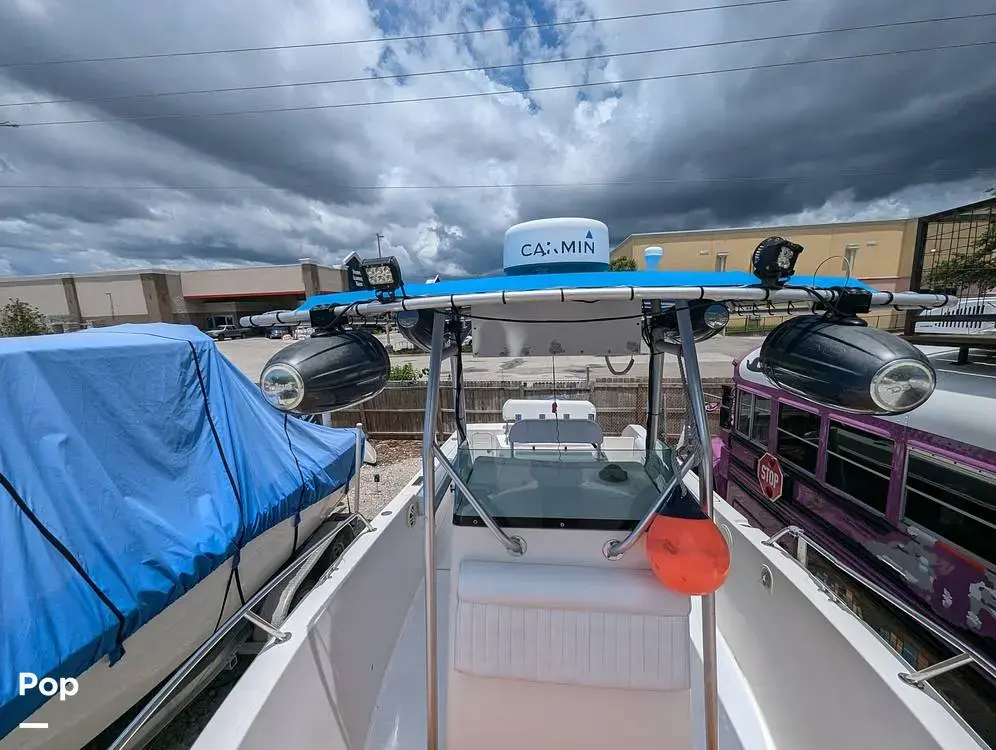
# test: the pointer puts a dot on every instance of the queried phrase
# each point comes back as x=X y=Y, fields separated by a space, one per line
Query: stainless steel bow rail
x=245 y=612
x=967 y=654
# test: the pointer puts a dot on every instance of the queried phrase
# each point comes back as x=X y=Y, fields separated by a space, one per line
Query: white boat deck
x=562 y=648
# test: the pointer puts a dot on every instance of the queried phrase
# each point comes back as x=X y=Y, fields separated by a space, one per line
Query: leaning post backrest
x=562 y=431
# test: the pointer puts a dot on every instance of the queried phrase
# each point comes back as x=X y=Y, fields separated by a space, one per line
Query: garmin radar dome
x=556 y=246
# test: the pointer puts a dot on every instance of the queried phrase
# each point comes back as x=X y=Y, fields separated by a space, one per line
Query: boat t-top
x=541 y=584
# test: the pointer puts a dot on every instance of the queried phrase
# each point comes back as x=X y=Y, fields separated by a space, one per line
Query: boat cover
x=587 y=280
x=134 y=460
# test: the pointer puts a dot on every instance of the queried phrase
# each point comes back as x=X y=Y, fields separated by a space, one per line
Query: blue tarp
x=135 y=460
x=539 y=281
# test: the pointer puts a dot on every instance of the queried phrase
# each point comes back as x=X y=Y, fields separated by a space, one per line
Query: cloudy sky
x=722 y=131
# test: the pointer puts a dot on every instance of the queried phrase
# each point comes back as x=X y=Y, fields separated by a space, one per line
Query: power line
x=376 y=40
x=544 y=185
x=530 y=63
x=479 y=94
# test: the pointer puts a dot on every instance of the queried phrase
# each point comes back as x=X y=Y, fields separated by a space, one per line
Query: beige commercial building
x=205 y=298
x=879 y=253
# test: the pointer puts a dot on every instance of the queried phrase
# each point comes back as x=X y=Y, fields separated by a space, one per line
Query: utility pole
x=379 y=237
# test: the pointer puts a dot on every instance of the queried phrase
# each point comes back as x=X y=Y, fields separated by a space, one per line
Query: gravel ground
x=379 y=484
x=397 y=462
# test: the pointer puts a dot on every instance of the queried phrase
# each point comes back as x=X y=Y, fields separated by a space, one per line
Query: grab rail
x=615 y=548
x=513 y=544
x=245 y=611
x=968 y=653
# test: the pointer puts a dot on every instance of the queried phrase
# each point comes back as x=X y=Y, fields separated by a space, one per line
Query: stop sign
x=769 y=476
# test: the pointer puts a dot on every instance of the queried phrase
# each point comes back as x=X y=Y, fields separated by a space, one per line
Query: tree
x=974 y=271
x=18 y=318
x=407 y=372
x=622 y=263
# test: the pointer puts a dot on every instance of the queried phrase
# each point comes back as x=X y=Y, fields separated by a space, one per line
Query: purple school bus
x=908 y=501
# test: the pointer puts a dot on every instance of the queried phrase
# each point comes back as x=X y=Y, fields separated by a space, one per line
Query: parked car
x=278 y=332
x=305 y=332
x=227 y=331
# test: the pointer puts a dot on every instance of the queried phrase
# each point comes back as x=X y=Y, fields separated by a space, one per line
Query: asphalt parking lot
x=715 y=358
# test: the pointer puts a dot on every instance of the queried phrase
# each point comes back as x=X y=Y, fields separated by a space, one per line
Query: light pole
x=379 y=237
x=110 y=298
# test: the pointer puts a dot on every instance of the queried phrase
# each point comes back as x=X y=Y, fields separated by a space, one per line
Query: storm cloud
x=736 y=133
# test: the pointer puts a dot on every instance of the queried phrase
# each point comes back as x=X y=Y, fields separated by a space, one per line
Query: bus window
x=956 y=503
x=859 y=464
x=726 y=408
x=753 y=416
x=761 y=420
x=745 y=402
x=798 y=437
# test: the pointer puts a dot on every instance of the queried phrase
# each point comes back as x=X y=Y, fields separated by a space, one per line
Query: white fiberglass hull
x=163 y=644
x=530 y=660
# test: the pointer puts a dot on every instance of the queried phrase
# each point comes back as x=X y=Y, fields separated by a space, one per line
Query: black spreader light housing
x=844 y=363
x=773 y=261
x=381 y=275
x=328 y=372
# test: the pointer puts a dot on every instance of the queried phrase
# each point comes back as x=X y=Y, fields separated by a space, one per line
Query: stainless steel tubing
x=429 y=517
x=899 y=300
x=514 y=545
x=710 y=677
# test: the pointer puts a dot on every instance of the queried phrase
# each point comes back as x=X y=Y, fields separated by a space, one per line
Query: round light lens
x=716 y=316
x=282 y=386
x=407 y=318
x=902 y=386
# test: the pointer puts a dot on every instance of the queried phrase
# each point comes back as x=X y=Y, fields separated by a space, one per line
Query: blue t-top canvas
x=583 y=280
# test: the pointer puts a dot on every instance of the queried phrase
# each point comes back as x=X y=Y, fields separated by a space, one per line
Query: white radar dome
x=556 y=246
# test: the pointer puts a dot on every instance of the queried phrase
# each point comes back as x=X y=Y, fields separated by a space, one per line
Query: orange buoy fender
x=686 y=550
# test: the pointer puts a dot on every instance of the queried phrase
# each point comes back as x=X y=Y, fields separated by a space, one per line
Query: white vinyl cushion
x=598 y=627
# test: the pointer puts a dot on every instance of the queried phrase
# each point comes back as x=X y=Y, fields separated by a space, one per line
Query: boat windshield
x=556 y=487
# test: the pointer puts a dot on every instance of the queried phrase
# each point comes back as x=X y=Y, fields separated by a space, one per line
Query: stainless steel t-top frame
x=613 y=549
